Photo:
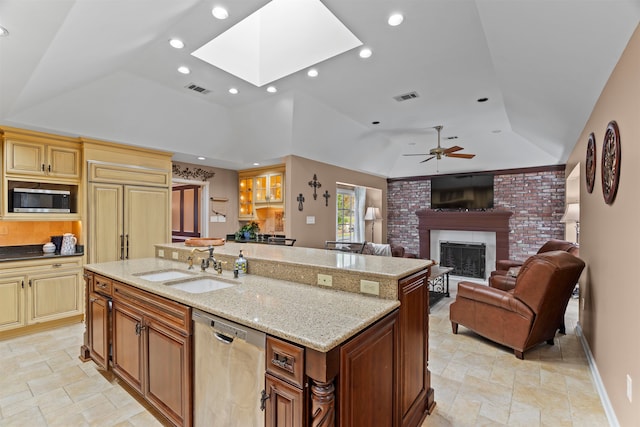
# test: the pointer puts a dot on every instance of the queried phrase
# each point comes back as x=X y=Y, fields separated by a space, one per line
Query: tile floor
x=476 y=383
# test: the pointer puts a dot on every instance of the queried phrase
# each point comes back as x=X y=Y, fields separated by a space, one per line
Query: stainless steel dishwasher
x=229 y=372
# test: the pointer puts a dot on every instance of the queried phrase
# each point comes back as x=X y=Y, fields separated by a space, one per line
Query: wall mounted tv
x=465 y=191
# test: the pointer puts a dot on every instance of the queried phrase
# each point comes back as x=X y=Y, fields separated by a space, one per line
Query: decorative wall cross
x=326 y=196
x=315 y=184
x=300 y=200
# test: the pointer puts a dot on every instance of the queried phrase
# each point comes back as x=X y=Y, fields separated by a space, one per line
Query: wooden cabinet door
x=63 y=162
x=146 y=220
x=368 y=383
x=285 y=405
x=168 y=373
x=127 y=343
x=25 y=158
x=54 y=296
x=414 y=327
x=106 y=234
x=11 y=303
x=97 y=320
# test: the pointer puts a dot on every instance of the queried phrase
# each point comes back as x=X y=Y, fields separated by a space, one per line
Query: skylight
x=281 y=38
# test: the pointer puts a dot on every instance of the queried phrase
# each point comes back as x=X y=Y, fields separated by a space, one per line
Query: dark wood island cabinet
x=374 y=375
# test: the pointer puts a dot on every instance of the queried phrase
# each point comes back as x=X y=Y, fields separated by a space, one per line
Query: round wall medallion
x=590 y=165
x=610 y=162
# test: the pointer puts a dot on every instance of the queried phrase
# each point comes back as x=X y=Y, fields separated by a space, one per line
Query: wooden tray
x=204 y=242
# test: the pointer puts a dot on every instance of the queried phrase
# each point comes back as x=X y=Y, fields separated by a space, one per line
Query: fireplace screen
x=466 y=259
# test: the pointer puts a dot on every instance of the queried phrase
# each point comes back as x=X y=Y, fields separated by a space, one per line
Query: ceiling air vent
x=194 y=87
x=406 y=96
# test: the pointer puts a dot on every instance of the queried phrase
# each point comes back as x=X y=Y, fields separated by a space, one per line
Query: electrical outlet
x=369 y=287
x=629 y=388
x=161 y=253
x=325 y=280
x=174 y=255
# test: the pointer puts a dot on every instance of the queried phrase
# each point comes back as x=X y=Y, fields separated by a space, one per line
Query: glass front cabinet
x=258 y=189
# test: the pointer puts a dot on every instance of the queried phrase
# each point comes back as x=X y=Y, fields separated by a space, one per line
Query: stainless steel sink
x=164 y=275
x=200 y=285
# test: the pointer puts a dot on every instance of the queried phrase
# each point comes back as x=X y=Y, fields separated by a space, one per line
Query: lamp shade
x=571 y=213
x=372 y=214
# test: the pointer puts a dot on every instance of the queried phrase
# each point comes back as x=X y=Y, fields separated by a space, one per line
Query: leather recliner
x=528 y=315
x=501 y=279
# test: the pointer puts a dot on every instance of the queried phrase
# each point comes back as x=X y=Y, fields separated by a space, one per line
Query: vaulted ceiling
x=104 y=69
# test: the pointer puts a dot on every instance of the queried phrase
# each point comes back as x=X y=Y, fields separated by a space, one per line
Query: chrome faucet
x=206 y=262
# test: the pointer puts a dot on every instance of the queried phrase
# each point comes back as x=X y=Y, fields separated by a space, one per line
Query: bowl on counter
x=211 y=241
x=48 y=248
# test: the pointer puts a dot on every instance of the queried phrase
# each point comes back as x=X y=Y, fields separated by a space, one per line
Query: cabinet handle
x=23 y=284
x=29 y=282
x=127 y=237
x=283 y=362
x=42 y=167
x=139 y=328
x=121 y=246
x=57 y=265
x=49 y=168
x=93 y=299
x=263 y=400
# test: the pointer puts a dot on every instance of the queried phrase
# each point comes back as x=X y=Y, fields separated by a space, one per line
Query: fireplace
x=495 y=221
x=466 y=259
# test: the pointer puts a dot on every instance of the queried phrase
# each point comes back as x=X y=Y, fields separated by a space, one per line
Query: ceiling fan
x=438 y=152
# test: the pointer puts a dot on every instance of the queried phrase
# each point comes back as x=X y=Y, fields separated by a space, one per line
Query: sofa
x=527 y=315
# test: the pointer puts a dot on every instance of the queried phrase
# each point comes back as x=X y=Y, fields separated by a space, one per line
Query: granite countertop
x=318 y=318
x=394 y=268
x=29 y=252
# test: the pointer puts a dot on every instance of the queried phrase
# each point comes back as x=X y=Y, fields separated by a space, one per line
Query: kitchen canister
x=68 y=244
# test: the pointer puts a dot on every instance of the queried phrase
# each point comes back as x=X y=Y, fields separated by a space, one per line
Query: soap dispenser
x=241 y=264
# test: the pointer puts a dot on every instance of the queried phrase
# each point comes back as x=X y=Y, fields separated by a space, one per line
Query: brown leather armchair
x=501 y=277
x=529 y=314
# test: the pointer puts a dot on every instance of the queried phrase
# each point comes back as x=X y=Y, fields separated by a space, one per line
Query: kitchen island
x=343 y=337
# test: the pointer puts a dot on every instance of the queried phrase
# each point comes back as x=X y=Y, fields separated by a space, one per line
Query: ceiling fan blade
x=461 y=155
x=426 y=160
x=453 y=149
x=425 y=154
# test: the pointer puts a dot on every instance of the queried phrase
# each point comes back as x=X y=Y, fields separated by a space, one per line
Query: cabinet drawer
x=165 y=311
x=285 y=360
x=102 y=285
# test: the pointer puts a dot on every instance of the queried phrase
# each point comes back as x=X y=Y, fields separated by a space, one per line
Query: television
x=462 y=192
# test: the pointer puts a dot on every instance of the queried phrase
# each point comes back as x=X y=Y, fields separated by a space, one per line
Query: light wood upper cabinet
x=269 y=188
x=55 y=160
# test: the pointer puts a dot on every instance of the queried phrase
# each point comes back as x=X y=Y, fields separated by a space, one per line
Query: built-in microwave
x=39 y=200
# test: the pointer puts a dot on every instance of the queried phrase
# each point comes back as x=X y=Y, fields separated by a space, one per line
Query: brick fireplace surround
x=496 y=221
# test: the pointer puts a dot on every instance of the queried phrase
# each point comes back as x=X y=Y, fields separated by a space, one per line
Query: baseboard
x=595 y=374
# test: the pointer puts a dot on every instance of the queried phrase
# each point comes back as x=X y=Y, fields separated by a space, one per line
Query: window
x=346 y=215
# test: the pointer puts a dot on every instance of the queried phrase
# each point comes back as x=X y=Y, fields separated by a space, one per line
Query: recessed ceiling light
x=365 y=52
x=256 y=164
x=395 y=19
x=3 y=31
x=184 y=70
x=312 y=72
x=176 y=43
x=483 y=99
x=272 y=89
x=233 y=91
x=219 y=12
x=496 y=131
x=201 y=158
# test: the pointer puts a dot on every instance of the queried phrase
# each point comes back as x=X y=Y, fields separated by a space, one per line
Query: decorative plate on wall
x=610 y=162
x=591 y=162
